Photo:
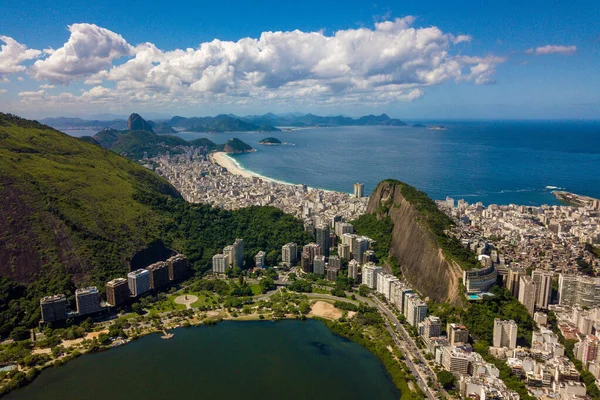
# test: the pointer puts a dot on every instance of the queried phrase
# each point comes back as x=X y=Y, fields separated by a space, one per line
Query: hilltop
x=415 y=236
x=74 y=214
x=226 y=123
x=137 y=143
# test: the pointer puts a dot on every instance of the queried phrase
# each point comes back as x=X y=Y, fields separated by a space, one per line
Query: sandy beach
x=226 y=162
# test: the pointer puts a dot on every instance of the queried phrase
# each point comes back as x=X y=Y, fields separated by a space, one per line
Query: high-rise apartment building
x=220 y=263
x=588 y=349
x=513 y=280
x=322 y=238
x=335 y=262
x=139 y=282
x=457 y=334
x=319 y=265
x=343 y=227
x=359 y=190
x=289 y=254
x=527 y=291
x=369 y=275
x=159 y=274
x=578 y=290
x=87 y=300
x=361 y=245
x=432 y=326
x=543 y=288
x=54 y=308
x=117 y=292
x=238 y=253
x=332 y=273
x=344 y=251
x=353 y=266
x=178 y=266
x=505 y=333
x=417 y=310
x=260 y=259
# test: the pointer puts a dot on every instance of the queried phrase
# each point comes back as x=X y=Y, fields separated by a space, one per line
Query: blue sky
x=461 y=59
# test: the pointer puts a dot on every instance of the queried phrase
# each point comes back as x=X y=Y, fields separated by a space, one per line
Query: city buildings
x=369 y=275
x=54 y=308
x=159 y=274
x=353 y=267
x=238 y=253
x=139 y=282
x=417 y=310
x=322 y=238
x=260 y=259
x=117 y=292
x=431 y=327
x=505 y=333
x=344 y=250
x=87 y=300
x=178 y=266
x=220 y=263
x=359 y=190
x=578 y=290
x=527 y=292
x=335 y=262
x=543 y=288
x=457 y=334
x=479 y=280
x=343 y=227
x=319 y=265
x=289 y=254
x=332 y=274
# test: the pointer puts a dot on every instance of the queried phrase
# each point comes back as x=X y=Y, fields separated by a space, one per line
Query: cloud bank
x=393 y=61
x=12 y=55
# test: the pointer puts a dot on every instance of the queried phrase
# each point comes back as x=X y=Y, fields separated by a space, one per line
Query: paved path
x=186 y=300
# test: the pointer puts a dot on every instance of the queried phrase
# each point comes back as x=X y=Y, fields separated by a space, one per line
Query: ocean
x=494 y=162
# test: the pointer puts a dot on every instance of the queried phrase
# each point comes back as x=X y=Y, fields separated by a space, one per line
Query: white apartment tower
x=505 y=333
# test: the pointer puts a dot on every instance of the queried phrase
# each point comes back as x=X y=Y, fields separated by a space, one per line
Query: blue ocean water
x=504 y=162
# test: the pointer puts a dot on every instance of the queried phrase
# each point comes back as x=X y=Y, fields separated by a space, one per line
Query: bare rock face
x=137 y=123
x=414 y=246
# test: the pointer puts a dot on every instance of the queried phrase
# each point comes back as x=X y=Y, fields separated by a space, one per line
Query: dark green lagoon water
x=232 y=360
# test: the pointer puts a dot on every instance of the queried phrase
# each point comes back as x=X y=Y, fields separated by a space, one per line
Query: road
x=406 y=343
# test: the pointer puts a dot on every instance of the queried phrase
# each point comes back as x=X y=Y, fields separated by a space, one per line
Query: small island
x=270 y=141
x=419 y=126
x=438 y=128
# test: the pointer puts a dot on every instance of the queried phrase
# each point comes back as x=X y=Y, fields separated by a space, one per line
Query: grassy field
x=255 y=289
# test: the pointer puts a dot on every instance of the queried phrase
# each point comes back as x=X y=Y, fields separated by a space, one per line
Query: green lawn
x=255 y=289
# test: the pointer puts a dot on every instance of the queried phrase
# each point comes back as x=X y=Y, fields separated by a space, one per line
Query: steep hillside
x=430 y=260
x=75 y=214
x=58 y=194
x=135 y=143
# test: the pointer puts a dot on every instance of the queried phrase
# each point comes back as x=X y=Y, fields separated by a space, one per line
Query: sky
x=408 y=59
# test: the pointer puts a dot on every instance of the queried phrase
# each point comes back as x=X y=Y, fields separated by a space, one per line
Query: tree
x=446 y=379
x=19 y=333
x=363 y=290
x=304 y=307
x=137 y=308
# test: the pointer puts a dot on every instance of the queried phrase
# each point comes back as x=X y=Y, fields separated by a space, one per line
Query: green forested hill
x=73 y=213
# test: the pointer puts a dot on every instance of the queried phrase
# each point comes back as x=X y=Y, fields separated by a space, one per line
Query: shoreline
x=330 y=324
x=234 y=167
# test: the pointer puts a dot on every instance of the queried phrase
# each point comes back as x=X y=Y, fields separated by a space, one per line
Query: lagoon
x=232 y=360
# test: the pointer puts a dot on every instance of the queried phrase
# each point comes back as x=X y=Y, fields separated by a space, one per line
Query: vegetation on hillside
x=437 y=222
x=377 y=229
x=74 y=214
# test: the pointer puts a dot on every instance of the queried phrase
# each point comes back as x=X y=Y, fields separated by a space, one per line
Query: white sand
x=227 y=162
x=325 y=310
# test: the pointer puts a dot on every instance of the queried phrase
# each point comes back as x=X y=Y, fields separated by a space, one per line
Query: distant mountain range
x=228 y=123
x=140 y=139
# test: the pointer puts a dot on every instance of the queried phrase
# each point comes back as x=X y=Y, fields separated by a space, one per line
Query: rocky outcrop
x=137 y=123
x=414 y=246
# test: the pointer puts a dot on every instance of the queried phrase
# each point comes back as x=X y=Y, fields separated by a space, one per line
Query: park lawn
x=255 y=289
x=167 y=304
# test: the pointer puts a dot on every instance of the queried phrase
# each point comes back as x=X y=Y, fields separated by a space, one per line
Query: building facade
x=117 y=292
x=289 y=254
x=220 y=263
x=54 y=308
x=87 y=300
x=139 y=282
x=159 y=274
x=505 y=333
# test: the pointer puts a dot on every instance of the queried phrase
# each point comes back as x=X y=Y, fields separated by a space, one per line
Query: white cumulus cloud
x=89 y=49
x=392 y=61
x=12 y=55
